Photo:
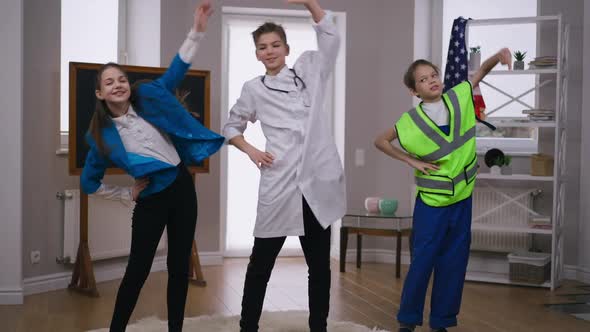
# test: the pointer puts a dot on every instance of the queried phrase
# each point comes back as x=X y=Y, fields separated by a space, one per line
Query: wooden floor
x=369 y=296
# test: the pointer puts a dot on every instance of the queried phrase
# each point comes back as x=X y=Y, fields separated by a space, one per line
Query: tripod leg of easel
x=83 y=275
x=196 y=275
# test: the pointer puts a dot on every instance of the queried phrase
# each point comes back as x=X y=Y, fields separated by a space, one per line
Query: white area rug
x=278 y=321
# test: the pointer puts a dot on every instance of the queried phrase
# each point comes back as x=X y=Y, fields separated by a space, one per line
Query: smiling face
x=428 y=85
x=271 y=50
x=114 y=87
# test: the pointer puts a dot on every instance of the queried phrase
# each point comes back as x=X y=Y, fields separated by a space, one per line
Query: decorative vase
x=474 y=61
x=518 y=65
x=372 y=204
x=388 y=206
x=495 y=170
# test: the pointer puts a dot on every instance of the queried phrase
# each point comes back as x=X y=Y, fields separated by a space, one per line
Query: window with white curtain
x=521 y=37
x=122 y=31
x=242 y=175
x=89 y=33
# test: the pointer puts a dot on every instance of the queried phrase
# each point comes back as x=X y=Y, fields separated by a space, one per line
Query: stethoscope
x=295 y=78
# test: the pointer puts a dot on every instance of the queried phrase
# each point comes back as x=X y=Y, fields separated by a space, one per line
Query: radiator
x=510 y=215
x=109 y=227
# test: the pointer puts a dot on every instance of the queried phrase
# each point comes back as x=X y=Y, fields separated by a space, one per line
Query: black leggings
x=176 y=209
x=316 y=248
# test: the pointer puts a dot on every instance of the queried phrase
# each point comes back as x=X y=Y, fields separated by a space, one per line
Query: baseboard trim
x=211 y=258
x=572 y=272
x=114 y=271
x=11 y=296
x=579 y=273
x=377 y=256
x=56 y=281
x=388 y=257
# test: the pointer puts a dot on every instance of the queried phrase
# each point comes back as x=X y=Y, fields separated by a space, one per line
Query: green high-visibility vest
x=455 y=153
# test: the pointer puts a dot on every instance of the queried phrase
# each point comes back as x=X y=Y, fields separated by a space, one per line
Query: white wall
x=584 y=226
x=143 y=33
x=11 y=109
x=422 y=32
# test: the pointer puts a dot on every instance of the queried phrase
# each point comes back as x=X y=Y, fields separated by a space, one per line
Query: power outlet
x=359 y=157
x=35 y=257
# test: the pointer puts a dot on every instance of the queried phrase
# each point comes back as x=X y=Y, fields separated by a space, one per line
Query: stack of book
x=543 y=62
x=540 y=114
x=539 y=222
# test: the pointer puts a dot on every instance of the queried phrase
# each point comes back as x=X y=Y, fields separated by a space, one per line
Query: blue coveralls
x=440 y=239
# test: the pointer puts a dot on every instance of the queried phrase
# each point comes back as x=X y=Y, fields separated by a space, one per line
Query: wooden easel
x=83 y=280
x=195 y=273
x=83 y=276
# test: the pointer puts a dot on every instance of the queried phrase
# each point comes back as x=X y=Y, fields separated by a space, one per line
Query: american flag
x=457 y=70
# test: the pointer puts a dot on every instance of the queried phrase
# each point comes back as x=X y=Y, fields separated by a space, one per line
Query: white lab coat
x=298 y=134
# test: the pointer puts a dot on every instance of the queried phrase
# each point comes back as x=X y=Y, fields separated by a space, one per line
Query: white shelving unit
x=522 y=124
x=557 y=180
x=504 y=229
x=522 y=72
x=501 y=278
x=515 y=177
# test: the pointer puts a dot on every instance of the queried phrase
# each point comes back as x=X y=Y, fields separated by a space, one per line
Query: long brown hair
x=102 y=116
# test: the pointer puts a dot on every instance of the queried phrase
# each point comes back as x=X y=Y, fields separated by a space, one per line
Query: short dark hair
x=269 y=27
x=410 y=79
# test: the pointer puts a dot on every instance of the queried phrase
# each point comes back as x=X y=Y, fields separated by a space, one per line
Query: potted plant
x=506 y=169
x=474 y=57
x=496 y=168
x=494 y=159
x=519 y=57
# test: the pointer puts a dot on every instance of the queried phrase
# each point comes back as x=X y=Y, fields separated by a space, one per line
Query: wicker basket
x=530 y=267
x=541 y=165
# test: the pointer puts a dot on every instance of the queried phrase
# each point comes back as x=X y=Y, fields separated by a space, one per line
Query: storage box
x=541 y=165
x=540 y=221
x=530 y=267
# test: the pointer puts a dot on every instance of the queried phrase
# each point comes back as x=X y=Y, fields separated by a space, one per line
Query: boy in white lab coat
x=302 y=188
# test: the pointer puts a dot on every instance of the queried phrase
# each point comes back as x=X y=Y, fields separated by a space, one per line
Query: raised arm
x=200 y=19
x=181 y=63
x=327 y=34
x=503 y=56
x=314 y=8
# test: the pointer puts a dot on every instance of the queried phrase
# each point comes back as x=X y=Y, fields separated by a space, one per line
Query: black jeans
x=316 y=248
x=176 y=209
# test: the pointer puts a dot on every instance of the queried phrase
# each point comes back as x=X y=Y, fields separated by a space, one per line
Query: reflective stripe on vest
x=442 y=184
x=455 y=154
x=445 y=147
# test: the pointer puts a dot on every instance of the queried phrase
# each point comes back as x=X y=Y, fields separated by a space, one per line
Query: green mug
x=388 y=206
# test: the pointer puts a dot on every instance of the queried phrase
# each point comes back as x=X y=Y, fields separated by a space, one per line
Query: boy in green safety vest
x=438 y=141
